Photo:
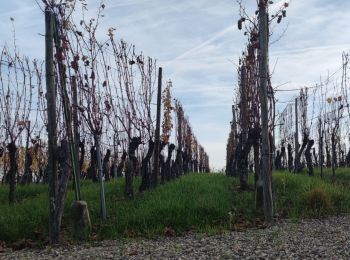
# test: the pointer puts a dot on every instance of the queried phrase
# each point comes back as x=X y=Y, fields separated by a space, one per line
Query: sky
x=198 y=45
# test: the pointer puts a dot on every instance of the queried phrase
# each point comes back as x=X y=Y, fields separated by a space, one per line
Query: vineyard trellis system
x=254 y=111
x=97 y=97
x=311 y=131
x=322 y=117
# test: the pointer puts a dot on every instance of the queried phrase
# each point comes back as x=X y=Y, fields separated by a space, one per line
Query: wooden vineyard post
x=100 y=177
x=296 y=159
x=320 y=149
x=263 y=79
x=76 y=136
x=155 y=172
x=179 y=137
x=243 y=166
x=67 y=112
x=51 y=127
x=26 y=156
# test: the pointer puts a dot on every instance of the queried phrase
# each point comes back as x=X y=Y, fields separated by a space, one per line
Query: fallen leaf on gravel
x=130 y=233
x=93 y=237
x=236 y=248
x=169 y=232
x=259 y=223
x=23 y=243
x=132 y=253
x=240 y=227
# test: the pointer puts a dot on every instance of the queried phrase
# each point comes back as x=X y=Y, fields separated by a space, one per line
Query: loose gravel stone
x=308 y=239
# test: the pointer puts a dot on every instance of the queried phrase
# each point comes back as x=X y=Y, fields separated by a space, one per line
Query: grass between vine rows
x=195 y=202
x=198 y=202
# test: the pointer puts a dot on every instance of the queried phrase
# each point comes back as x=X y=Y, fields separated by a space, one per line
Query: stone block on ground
x=81 y=224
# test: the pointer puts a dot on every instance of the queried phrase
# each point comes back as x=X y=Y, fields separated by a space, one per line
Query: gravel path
x=308 y=239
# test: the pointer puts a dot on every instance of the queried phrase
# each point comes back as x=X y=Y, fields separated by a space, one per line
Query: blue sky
x=197 y=43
